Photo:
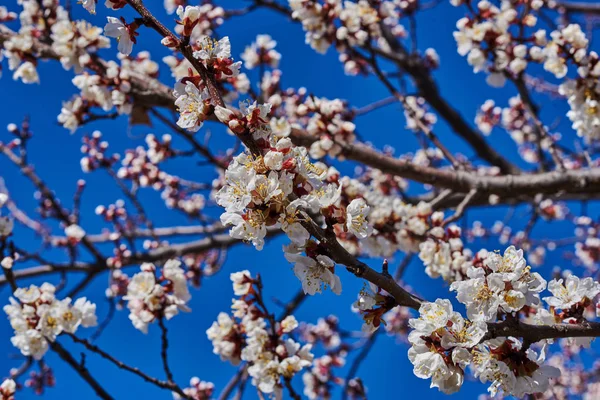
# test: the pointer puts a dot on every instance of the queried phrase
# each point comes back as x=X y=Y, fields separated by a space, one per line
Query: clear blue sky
x=55 y=154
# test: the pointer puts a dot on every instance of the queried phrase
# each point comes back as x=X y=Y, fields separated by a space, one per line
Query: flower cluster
x=111 y=89
x=571 y=297
x=7 y=16
x=573 y=379
x=193 y=99
x=317 y=20
x=516 y=121
x=261 y=52
x=375 y=196
x=379 y=223
x=36 y=20
x=73 y=42
x=443 y=343
x=326 y=331
x=348 y=23
x=216 y=56
x=511 y=367
x=18 y=50
x=254 y=119
x=588 y=252
x=582 y=93
x=315 y=271
x=95 y=154
x=252 y=335
x=583 y=99
x=397 y=322
x=74 y=233
x=568 y=42
x=488 y=116
x=499 y=284
x=359 y=22
x=412 y=223
x=489 y=43
x=443 y=253
x=329 y=121
x=440 y=344
x=320 y=380
x=151 y=297
x=571 y=292
x=275 y=187
x=416 y=114
x=143 y=167
x=37 y=318
x=492 y=38
x=198 y=390
x=196 y=22
x=41 y=380
x=553 y=211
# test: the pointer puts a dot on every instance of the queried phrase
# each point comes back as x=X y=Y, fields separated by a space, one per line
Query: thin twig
x=364 y=352
x=81 y=369
x=403 y=265
x=162 y=384
x=460 y=209
x=224 y=395
x=164 y=348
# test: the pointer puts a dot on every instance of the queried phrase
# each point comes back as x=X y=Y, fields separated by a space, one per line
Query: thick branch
x=340 y=255
x=574 y=181
x=535 y=333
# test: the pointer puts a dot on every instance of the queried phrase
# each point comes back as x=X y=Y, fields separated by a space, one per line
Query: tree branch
x=162 y=384
x=163 y=349
x=81 y=370
x=163 y=253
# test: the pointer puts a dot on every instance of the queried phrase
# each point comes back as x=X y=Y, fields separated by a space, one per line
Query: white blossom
x=192 y=105
x=356 y=217
x=242 y=282
x=315 y=274
x=74 y=232
x=571 y=291
x=27 y=73
x=148 y=299
x=117 y=29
